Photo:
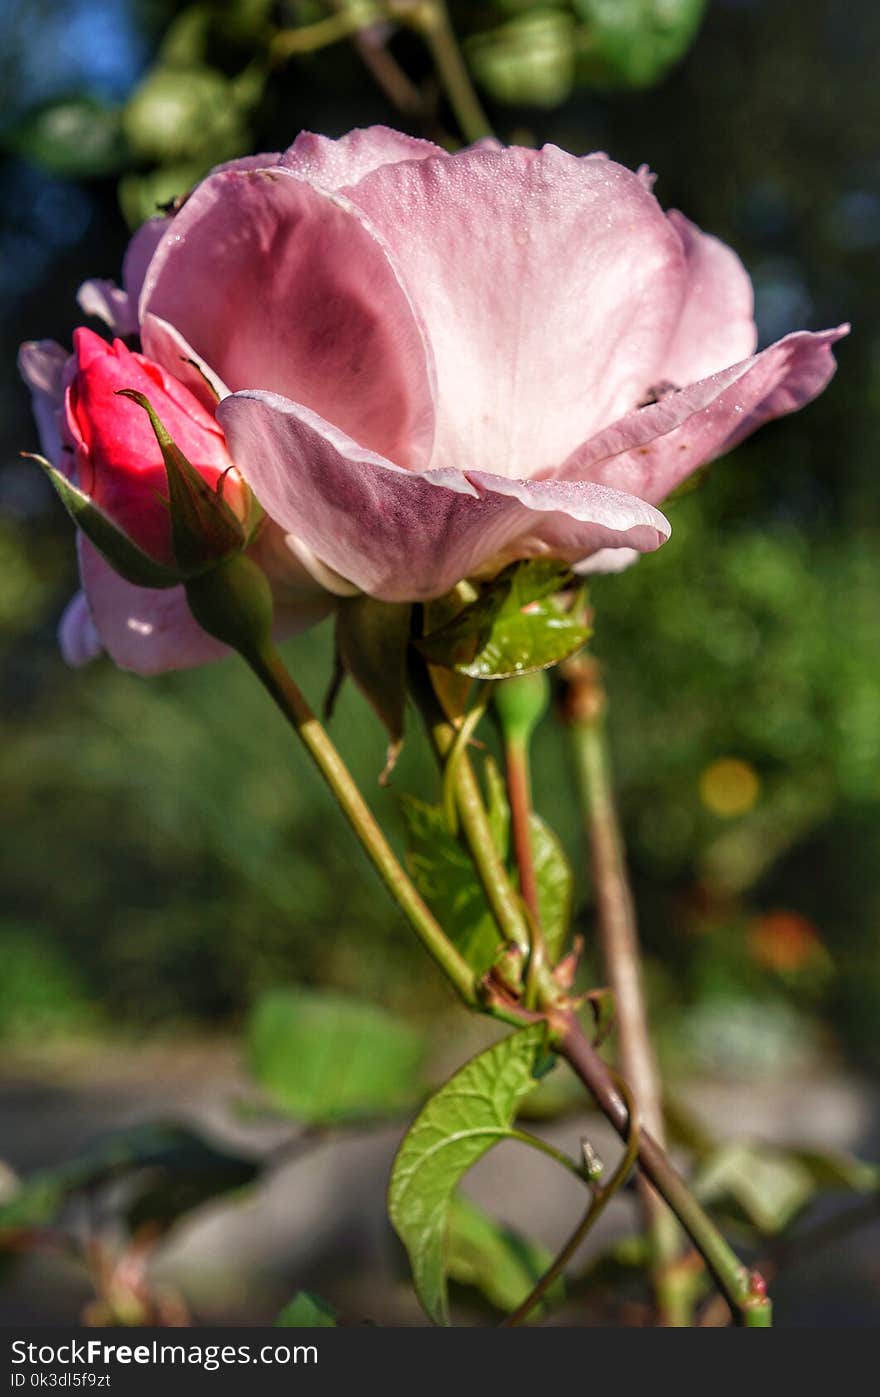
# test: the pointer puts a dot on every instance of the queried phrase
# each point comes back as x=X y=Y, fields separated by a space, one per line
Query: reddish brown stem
x=519 y=793
x=744 y=1290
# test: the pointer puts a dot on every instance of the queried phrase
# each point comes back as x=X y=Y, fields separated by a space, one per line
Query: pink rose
x=106 y=444
x=117 y=460
x=430 y=364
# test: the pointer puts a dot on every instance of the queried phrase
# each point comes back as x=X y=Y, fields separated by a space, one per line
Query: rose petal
x=250 y=162
x=405 y=535
x=166 y=346
x=607 y=560
x=139 y=255
x=118 y=460
x=650 y=451
x=41 y=364
x=278 y=285
x=78 y=638
x=151 y=631
x=107 y=302
x=142 y=629
x=716 y=327
x=550 y=287
x=575 y=518
x=335 y=164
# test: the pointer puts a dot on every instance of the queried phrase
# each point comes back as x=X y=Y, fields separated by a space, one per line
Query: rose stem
x=398 y=87
x=743 y=1290
x=500 y=893
x=519 y=793
x=270 y=669
x=621 y=953
x=520 y=704
x=309 y=37
x=431 y=19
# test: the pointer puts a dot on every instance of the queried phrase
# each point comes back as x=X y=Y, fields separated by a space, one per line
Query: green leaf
x=76 y=138
x=307 y=1311
x=517 y=624
x=555 y=882
x=372 y=638
x=203 y=527
x=838 y=1172
x=559 y=1094
x=444 y=875
x=324 y=1057
x=461 y=1123
x=764 y=1185
x=770 y=1184
x=632 y=43
x=121 y=553
x=174 y=1170
x=502 y=1265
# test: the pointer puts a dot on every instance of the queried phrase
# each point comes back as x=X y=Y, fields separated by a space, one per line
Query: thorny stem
x=270 y=669
x=619 y=939
x=602 y=1195
x=744 y=1290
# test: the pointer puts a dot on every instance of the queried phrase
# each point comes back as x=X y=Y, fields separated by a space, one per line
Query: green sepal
x=520 y=704
x=123 y=555
x=323 y=1057
x=233 y=602
x=203 y=527
x=517 y=624
x=371 y=639
x=499 y=1262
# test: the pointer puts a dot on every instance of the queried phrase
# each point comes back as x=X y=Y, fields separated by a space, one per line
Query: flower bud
x=119 y=461
x=520 y=704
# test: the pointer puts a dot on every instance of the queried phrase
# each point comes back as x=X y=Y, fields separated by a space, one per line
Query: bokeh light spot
x=729 y=787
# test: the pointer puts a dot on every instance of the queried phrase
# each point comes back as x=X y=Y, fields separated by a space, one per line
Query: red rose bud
x=121 y=465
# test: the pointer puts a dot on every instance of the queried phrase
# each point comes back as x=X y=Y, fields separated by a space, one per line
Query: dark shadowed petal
x=162 y=343
x=280 y=286
x=78 y=639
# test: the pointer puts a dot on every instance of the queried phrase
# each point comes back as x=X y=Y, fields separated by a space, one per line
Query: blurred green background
x=167 y=853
